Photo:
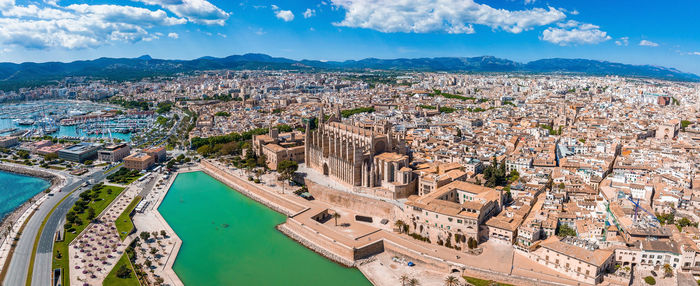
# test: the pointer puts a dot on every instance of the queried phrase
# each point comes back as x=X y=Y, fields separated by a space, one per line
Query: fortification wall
x=364 y=205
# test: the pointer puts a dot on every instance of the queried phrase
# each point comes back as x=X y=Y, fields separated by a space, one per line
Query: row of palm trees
x=407 y=281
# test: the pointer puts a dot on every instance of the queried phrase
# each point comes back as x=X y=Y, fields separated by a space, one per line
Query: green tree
x=286 y=168
x=472 y=243
x=90 y=213
x=336 y=216
x=145 y=235
x=22 y=154
x=565 y=230
x=50 y=157
x=123 y=271
x=399 y=224
x=404 y=279
x=668 y=270
x=451 y=281
x=683 y=222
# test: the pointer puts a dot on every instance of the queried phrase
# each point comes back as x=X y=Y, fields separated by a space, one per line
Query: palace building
x=364 y=156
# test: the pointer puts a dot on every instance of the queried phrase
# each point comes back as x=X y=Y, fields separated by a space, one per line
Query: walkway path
x=95 y=251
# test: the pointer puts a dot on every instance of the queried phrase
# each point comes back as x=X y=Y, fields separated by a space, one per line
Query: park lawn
x=62 y=246
x=131 y=179
x=113 y=280
x=481 y=282
x=124 y=178
x=124 y=223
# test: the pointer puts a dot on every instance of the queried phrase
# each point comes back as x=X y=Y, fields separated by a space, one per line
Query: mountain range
x=13 y=76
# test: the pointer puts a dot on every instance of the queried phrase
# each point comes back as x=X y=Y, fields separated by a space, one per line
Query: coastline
x=53 y=179
x=15 y=219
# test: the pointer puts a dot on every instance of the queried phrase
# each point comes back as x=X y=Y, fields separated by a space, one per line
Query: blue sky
x=635 y=32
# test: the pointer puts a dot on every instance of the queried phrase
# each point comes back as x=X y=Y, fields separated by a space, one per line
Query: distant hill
x=13 y=76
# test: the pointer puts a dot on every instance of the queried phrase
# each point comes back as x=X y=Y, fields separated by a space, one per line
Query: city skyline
x=350 y=29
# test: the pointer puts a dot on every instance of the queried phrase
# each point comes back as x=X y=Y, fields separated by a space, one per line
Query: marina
x=70 y=119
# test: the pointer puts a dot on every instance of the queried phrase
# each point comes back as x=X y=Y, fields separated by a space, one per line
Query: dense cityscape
x=349 y=143
x=553 y=179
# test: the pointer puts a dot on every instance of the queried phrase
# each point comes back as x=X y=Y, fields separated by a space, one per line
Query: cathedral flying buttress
x=374 y=157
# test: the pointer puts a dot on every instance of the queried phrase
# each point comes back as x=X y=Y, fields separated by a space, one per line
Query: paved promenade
x=152 y=221
x=95 y=251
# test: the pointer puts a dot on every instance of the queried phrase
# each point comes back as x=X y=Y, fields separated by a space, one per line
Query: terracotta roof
x=595 y=257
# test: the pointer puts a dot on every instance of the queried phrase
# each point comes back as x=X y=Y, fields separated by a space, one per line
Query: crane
x=637 y=207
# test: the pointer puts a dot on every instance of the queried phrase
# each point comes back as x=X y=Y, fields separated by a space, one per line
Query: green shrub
x=650 y=280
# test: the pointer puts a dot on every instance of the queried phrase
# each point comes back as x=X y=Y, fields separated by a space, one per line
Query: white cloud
x=646 y=43
x=4 y=4
x=451 y=16
x=173 y=35
x=574 y=12
x=624 y=41
x=285 y=15
x=309 y=13
x=274 y=7
x=259 y=31
x=196 y=11
x=78 y=26
x=527 y=2
x=574 y=33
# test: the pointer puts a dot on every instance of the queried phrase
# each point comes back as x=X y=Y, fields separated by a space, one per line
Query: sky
x=663 y=33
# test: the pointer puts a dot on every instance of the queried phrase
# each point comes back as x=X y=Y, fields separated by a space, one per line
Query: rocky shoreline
x=20 y=170
x=55 y=180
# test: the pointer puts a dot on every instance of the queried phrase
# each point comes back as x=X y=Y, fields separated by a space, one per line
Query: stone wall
x=247 y=189
x=298 y=233
x=368 y=250
x=363 y=205
x=417 y=258
x=55 y=180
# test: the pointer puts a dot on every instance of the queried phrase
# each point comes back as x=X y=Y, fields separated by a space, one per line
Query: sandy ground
x=639 y=275
x=385 y=271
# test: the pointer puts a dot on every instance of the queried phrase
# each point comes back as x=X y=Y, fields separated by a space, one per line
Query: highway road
x=19 y=265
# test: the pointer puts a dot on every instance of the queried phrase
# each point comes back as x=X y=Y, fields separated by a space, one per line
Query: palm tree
x=413 y=282
x=399 y=224
x=451 y=281
x=404 y=279
x=668 y=271
x=336 y=216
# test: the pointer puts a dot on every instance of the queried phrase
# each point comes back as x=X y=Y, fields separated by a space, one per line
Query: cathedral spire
x=320 y=118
